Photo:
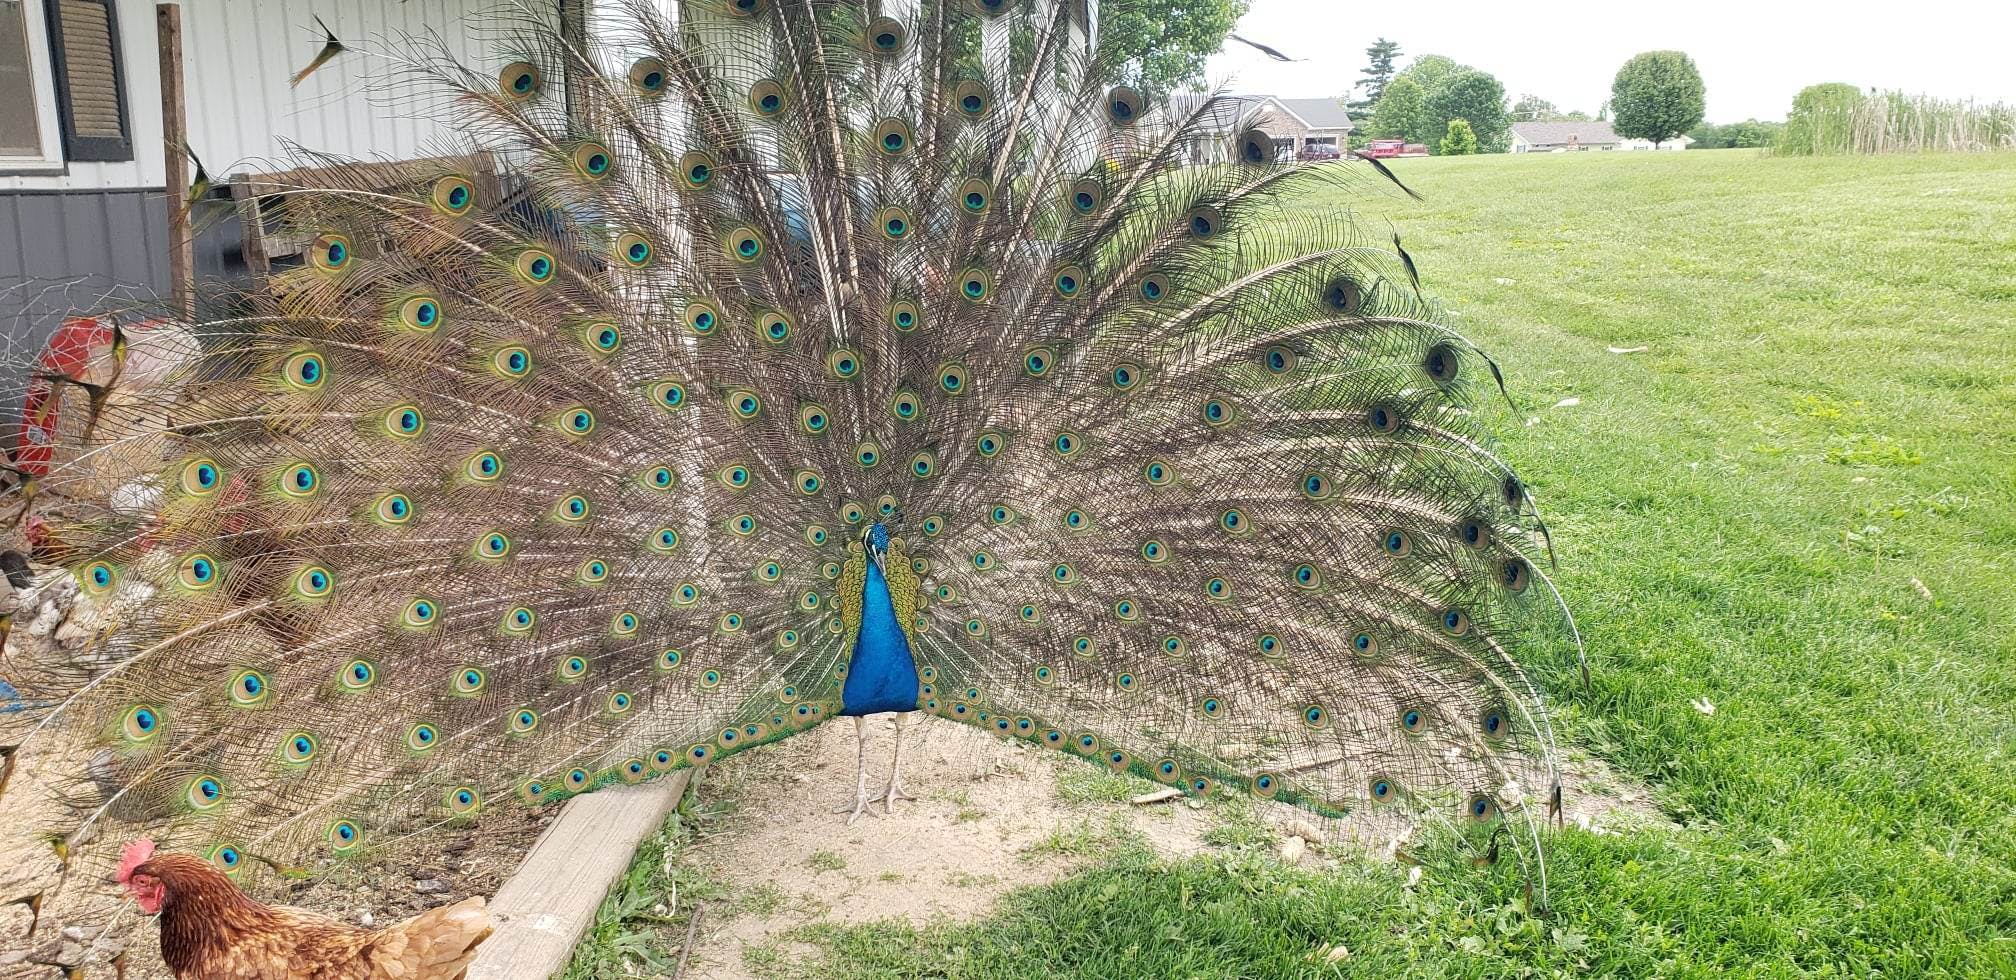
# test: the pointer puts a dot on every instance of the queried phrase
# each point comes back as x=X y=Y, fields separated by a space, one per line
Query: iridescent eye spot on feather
x=1269 y=645
x=1037 y=361
x=1118 y=760
x=298 y=748
x=485 y=467
x=1265 y=785
x=669 y=659
x=463 y=801
x=1515 y=574
x=1382 y=419
x=1000 y=514
x=745 y=8
x=698 y=167
x=767 y=99
x=1063 y=574
x=405 y=422
x=906 y=406
x=1154 y=551
x=522 y=721
x=1365 y=644
x=710 y=679
x=742 y=525
x=983 y=560
x=1087 y=195
x=975 y=627
x=990 y=444
x=664 y=540
x=1480 y=808
x=1442 y=364
x=1397 y=543
x=577 y=779
x=768 y=571
x=226 y=858
x=635 y=251
x=1278 y=360
x=1212 y=708
x=140 y=723
x=1344 y=295
x=972 y=99
x=892 y=137
x=924 y=465
x=98 y=578
x=975 y=285
x=534 y=266
x=330 y=252
x=774 y=327
x=734 y=476
x=198 y=572
x=519 y=621
x=1455 y=622
x=512 y=363
x=1029 y=613
x=1234 y=521
x=852 y=512
x=685 y=594
x=1077 y=520
x=469 y=680
x=1069 y=281
x=572 y=668
x=976 y=196
x=1158 y=473
x=1126 y=376
x=933 y=525
x=1123 y=105
x=204 y=792
x=1493 y=723
x=421 y=612
x=420 y=314
x=518 y=81
x=357 y=675
x=248 y=688
x=894 y=223
x=1154 y=288
x=592 y=160
x=809 y=601
x=1203 y=222
x=1218 y=588
x=1084 y=647
x=1217 y=412
x=809 y=483
x=1127 y=609
x=744 y=403
x=952 y=378
x=1316 y=717
x=1305 y=576
x=201 y=477
x=904 y=316
x=306 y=371
x=885 y=36
x=453 y=195
x=1124 y=681
x=1067 y=444
x=393 y=509
x=422 y=738
x=1175 y=646
x=745 y=245
x=632 y=771
x=647 y=76
x=868 y=455
x=1256 y=147
x=1317 y=486
x=843 y=363
x=1413 y=721
x=577 y=421
x=300 y=480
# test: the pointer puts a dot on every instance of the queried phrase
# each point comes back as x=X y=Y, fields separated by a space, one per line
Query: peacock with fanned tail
x=807 y=359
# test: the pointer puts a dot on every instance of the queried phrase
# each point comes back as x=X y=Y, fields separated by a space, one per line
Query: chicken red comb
x=136 y=854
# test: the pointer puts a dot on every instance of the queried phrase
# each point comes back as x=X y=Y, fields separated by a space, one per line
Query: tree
x=1532 y=108
x=1165 y=47
x=1657 y=95
x=1399 y=111
x=1821 y=119
x=1474 y=97
x=1430 y=70
x=1378 y=74
x=1461 y=141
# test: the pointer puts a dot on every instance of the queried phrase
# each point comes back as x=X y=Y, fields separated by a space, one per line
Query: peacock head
x=875 y=539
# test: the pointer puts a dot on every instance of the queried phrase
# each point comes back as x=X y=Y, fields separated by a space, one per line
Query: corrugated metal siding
x=77 y=253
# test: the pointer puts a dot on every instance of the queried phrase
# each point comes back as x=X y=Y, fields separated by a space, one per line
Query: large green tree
x=1398 y=113
x=1471 y=95
x=1657 y=95
x=1430 y=70
x=1461 y=140
x=1378 y=73
x=1165 y=47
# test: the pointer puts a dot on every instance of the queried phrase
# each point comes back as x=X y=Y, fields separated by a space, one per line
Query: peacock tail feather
x=527 y=483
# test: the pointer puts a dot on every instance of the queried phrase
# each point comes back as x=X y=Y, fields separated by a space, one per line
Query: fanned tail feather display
x=580 y=461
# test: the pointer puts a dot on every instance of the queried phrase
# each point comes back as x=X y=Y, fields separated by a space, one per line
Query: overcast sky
x=1754 y=55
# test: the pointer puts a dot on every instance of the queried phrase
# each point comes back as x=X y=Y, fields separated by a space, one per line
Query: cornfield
x=1893 y=122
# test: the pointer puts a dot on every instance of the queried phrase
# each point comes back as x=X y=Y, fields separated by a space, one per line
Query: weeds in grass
x=825 y=861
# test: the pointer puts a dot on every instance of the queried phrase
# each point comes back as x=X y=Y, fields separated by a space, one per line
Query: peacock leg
x=861 y=801
x=894 y=791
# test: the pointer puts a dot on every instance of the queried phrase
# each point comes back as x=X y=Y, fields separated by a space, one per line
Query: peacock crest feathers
x=553 y=467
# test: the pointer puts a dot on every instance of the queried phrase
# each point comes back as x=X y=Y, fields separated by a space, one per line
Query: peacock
x=753 y=364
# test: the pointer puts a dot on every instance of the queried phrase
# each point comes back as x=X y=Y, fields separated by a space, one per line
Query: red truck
x=1394 y=148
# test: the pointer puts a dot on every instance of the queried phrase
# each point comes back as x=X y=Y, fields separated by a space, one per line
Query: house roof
x=1562 y=133
x=1320 y=113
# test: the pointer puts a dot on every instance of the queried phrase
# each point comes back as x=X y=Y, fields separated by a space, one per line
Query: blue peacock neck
x=882 y=674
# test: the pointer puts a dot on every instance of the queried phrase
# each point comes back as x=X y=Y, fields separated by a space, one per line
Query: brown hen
x=212 y=931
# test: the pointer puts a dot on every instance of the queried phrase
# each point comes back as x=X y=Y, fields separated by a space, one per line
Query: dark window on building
x=20 y=133
x=90 y=88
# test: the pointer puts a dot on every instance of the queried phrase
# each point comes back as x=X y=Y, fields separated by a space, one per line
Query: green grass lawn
x=1799 y=504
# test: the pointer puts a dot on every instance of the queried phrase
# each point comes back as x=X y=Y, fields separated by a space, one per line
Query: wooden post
x=174 y=137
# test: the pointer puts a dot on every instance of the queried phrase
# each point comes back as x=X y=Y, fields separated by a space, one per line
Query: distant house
x=1565 y=137
x=1293 y=123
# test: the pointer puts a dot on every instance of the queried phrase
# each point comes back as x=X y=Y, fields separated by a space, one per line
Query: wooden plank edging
x=544 y=909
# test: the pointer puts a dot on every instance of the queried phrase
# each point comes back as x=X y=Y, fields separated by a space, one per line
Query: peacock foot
x=855 y=809
x=891 y=794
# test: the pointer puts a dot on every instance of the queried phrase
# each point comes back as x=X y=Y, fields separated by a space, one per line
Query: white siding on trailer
x=237 y=57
